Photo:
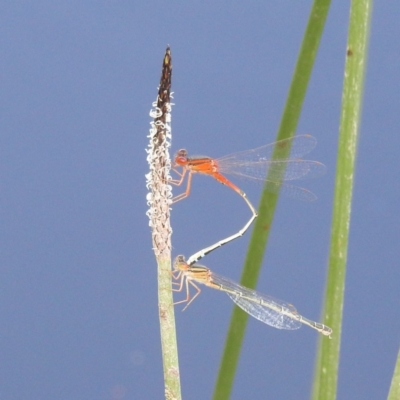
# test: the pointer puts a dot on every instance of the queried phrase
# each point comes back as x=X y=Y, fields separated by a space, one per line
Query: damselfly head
x=180 y=263
x=181 y=157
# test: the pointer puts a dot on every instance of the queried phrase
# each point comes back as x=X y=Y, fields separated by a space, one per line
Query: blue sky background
x=78 y=300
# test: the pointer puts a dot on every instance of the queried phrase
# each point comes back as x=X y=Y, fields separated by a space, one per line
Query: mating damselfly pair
x=276 y=164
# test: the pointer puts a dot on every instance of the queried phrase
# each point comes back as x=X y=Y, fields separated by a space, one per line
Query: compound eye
x=181 y=157
x=181 y=153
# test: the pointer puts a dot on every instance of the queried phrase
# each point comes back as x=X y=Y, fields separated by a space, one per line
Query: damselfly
x=266 y=309
x=255 y=164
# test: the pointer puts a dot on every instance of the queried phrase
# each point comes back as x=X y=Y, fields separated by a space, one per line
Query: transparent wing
x=256 y=164
x=265 y=314
x=262 y=307
x=285 y=170
x=299 y=146
x=294 y=192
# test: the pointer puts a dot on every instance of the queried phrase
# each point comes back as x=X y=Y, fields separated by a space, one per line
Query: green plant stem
x=325 y=382
x=268 y=202
x=169 y=344
x=394 y=393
